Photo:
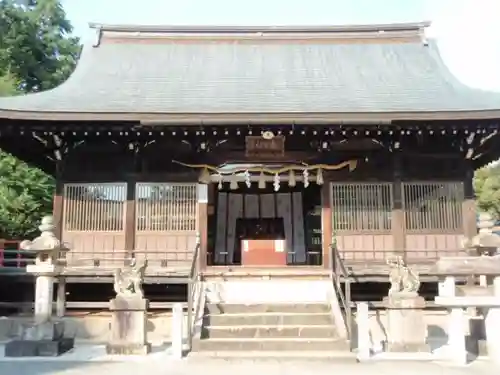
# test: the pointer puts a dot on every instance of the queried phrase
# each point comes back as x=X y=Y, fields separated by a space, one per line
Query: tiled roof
x=202 y=76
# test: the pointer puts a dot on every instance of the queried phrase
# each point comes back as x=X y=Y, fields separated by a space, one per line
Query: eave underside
x=42 y=143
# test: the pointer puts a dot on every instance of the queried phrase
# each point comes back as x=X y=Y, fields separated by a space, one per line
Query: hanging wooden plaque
x=259 y=147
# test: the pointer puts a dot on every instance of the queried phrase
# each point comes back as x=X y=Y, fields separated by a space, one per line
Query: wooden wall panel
x=365 y=247
x=166 y=223
x=94 y=223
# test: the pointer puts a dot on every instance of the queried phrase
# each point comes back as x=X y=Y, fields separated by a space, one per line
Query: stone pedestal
x=128 y=326
x=406 y=329
x=43 y=337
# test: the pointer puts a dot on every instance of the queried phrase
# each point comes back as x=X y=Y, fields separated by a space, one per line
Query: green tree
x=35 y=44
x=487 y=189
x=9 y=85
x=36 y=53
x=25 y=196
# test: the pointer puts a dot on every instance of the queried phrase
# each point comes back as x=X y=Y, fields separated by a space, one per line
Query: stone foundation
x=40 y=340
x=38 y=348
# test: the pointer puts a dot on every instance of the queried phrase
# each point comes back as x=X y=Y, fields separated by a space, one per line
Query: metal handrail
x=194 y=275
x=338 y=269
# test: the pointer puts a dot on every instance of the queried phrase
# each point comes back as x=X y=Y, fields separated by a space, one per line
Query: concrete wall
x=92 y=327
x=268 y=291
x=436 y=322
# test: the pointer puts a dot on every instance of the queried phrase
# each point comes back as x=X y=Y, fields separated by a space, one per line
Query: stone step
x=339 y=356
x=270 y=344
x=224 y=308
x=267 y=318
x=269 y=331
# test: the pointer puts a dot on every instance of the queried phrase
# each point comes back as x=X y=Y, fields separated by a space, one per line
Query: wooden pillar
x=469 y=219
x=58 y=203
x=468 y=205
x=211 y=223
x=61 y=297
x=130 y=218
x=203 y=224
x=398 y=216
x=326 y=222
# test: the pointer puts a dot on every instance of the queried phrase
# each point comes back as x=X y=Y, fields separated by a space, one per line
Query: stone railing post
x=177 y=332
x=456 y=336
x=447 y=287
x=492 y=325
x=456 y=330
x=363 y=331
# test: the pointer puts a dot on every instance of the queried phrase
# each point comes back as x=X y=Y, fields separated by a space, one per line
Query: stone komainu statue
x=128 y=280
x=401 y=277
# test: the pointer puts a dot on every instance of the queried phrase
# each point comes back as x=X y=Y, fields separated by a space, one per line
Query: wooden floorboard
x=241 y=271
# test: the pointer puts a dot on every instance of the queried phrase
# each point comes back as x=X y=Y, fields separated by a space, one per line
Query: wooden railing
x=379 y=257
x=102 y=259
x=337 y=272
x=194 y=291
x=12 y=258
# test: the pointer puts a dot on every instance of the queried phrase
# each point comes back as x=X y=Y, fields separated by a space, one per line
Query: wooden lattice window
x=165 y=207
x=433 y=205
x=94 y=207
x=361 y=206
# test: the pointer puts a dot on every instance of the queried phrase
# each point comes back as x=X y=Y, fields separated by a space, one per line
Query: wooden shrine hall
x=272 y=145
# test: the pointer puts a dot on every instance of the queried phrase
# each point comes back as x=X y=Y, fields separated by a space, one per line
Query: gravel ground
x=208 y=366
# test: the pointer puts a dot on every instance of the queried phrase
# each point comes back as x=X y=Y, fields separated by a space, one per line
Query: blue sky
x=468 y=31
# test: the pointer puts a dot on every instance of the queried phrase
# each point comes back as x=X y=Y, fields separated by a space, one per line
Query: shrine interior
x=291 y=214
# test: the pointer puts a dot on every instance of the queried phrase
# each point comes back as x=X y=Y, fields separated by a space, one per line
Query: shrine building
x=284 y=150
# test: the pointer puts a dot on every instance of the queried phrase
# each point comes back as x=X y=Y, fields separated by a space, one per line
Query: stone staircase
x=293 y=327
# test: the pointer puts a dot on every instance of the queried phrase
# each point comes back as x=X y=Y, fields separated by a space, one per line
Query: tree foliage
x=25 y=196
x=9 y=84
x=35 y=45
x=487 y=188
x=36 y=53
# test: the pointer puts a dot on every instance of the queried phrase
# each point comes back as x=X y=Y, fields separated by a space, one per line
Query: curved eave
x=254 y=118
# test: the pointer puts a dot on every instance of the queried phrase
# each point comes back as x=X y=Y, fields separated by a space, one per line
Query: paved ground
x=207 y=366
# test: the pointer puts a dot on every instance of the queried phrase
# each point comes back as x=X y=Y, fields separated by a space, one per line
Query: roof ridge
x=390 y=27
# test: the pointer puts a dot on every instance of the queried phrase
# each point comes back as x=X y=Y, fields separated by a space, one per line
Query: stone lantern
x=43 y=336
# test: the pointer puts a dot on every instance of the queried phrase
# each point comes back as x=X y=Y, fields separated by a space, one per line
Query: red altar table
x=263 y=253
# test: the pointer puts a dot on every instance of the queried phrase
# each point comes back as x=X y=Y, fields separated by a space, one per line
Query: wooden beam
x=469 y=205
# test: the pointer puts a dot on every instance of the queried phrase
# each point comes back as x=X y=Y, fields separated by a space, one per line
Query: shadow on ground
x=43 y=367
